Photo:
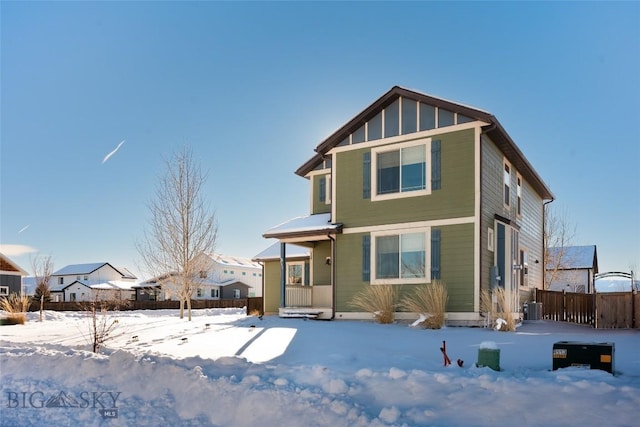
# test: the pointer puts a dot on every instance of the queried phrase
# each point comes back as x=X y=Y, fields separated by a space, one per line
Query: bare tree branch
x=181 y=227
x=558 y=234
x=42 y=270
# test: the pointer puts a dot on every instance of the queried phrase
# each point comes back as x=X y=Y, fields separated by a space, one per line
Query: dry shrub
x=16 y=308
x=379 y=300
x=498 y=305
x=255 y=312
x=429 y=300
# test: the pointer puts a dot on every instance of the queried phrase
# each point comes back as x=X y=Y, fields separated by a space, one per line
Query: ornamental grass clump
x=429 y=301
x=379 y=300
x=499 y=308
x=16 y=308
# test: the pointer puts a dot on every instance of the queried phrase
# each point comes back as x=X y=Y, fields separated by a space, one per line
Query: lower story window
x=4 y=291
x=236 y=293
x=215 y=293
x=295 y=273
x=400 y=257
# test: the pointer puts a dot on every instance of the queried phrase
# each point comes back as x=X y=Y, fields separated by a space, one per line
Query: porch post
x=283 y=275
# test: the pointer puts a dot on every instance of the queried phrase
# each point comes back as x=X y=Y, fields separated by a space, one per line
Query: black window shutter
x=435 y=254
x=366 y=258
x=435 y=165
x=323 y=188
x=366 y=175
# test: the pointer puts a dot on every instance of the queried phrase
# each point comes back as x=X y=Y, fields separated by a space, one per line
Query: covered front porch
x=299 y=268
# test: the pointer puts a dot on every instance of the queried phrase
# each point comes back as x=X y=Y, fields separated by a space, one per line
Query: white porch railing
x=298 y=296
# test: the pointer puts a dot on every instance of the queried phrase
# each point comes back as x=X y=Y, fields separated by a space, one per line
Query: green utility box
x=584 y=355
x=489 y=357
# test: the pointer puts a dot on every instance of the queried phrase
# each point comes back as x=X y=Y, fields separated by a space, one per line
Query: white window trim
x=327 y=190
x=4 y=291
x=519 y=195
x=427 y=255
x=395 y=147
x=300 y=263
x=505 y=163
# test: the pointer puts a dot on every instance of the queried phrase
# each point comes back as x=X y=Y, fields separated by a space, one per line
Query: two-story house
x=10 y=277
x=219 y=277
x=412 y=189
x=86 y=282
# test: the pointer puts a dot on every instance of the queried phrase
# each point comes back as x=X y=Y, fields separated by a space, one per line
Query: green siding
x=455 y=199
x=321 y=271
x=457 y=251
x=271 y=286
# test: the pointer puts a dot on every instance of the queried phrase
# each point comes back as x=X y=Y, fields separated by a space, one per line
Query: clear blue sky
x=254 y=87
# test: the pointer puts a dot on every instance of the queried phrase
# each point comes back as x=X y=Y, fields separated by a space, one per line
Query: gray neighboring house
x=572 y=269
x=10 y=277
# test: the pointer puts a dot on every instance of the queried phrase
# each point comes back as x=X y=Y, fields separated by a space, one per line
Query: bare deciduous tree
x=42 y=270
x=558 y=234
x=181 y=227
x=102 y=325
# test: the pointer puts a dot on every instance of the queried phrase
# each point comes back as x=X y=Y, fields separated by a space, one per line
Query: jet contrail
x=113 y=152
x=24 y=228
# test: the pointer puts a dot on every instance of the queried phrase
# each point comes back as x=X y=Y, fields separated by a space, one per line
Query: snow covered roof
x=573 y=257
x=98 y=285
x=304 y=226
x=273 y=252
x=234 y=261
x=79 y=269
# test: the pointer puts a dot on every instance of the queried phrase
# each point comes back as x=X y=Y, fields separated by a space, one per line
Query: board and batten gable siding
x=318 y=205
x=12 y=282
x=492 y=203
x=454 y=199
x=456 y=268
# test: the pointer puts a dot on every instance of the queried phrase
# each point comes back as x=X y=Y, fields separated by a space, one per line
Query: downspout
x=333 y=276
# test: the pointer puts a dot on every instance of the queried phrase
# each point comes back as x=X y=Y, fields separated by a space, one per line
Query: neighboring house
x=10 y=277
x=86 y=282
x=218 y=268
x=412 y=189
x=167 y=288
x=572 y=269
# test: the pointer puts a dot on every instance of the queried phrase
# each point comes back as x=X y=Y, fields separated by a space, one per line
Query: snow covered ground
x=228 y=369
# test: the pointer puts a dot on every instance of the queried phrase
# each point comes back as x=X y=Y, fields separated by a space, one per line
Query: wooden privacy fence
x=252 y=305
x=600 y=310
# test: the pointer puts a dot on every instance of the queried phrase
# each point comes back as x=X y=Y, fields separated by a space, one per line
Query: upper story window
x=203 y=274
x=519 y=194
x=324 y=189
x=400 y=170
x=60 y=280
x=507 y=185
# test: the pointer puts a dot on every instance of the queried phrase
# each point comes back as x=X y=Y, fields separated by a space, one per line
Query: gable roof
x=309 y=225
x=80 y=269
x=573 y=258
x=273 y=252
x=9 y=267
x=234 y=261
x=493 y=130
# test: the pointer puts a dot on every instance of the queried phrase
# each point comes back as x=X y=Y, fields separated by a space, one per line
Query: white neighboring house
x=222 y=270
x=221 y=277
x=85 y=282
x=572 y=269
